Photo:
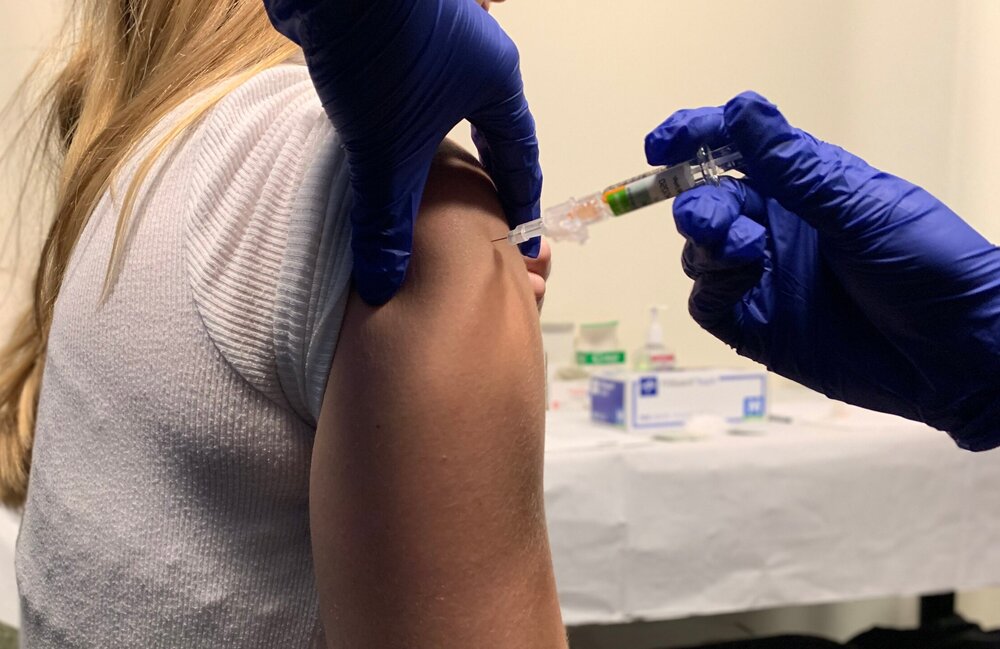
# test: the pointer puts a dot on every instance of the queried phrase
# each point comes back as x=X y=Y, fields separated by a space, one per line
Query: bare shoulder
x=426 y=499
x=458 y=187
x=460 y=217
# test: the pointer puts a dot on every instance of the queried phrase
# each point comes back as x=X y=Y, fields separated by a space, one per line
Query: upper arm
x=426 y=496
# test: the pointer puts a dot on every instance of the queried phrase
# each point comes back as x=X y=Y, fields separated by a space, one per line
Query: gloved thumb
x=382 y=218
x=809 y=177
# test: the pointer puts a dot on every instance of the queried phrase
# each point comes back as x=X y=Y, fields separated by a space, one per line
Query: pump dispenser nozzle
x=654 y=356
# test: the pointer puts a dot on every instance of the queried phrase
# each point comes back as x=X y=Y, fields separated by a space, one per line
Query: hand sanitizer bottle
x=654 y=356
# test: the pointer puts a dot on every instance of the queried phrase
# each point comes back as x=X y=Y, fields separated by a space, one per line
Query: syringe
x=569 y=221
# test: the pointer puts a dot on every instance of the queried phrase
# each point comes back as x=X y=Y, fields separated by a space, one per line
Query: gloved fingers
x=281 y=13
x=816 y=180
x=717 y=302
x=745 y=245
x=381 y=253
x=394 y=77
x=504 y=134
x=382 y=236
x=705 y=214
x=678 y=138
x=725 y=253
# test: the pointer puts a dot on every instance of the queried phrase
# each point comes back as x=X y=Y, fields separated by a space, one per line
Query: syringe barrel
x=570 y=220
x=669 y=182
x=648 y=189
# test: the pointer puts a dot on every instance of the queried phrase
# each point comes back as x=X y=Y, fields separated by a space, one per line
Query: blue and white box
x=650 y=401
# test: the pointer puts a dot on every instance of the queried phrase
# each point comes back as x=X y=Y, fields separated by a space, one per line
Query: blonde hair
x=130 y=63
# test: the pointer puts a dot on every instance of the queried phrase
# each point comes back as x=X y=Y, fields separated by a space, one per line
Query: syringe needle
x=499 y=240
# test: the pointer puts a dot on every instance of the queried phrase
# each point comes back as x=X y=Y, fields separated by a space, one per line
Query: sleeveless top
x=168 y=498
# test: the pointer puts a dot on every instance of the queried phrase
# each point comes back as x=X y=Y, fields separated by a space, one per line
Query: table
x=838 y=504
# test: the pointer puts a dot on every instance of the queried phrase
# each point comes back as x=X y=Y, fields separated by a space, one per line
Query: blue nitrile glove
x=395 y=76
x=837 y=275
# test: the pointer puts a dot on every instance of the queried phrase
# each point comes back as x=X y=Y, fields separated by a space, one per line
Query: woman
x=230 y=448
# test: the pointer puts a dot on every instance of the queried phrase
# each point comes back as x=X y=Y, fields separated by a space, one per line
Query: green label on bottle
x=600 y=358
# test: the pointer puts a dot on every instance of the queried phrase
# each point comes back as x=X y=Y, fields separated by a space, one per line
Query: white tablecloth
x=836 y=506
x=841 y=505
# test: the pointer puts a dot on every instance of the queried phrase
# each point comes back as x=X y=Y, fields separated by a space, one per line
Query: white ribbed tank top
x=168 y=500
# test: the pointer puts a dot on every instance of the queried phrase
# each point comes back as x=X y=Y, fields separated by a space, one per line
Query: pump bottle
x=654 y=356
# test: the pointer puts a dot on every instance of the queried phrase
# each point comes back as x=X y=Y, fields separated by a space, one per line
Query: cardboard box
x=650 y=401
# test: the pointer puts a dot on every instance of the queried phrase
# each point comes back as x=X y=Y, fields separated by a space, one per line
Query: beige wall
x=975 y=123
x=25 y=30
x=883 y=79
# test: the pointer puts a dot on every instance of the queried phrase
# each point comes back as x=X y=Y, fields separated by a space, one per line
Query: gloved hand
x=395 y=76
x=837 y=275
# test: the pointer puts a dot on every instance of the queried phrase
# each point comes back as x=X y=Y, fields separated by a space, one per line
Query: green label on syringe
x=619 y=201
x=650 y=189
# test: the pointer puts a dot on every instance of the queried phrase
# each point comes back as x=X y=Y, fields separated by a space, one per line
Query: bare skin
x=426 y=497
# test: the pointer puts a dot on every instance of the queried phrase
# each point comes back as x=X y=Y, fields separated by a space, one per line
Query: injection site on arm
x=570 y=220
